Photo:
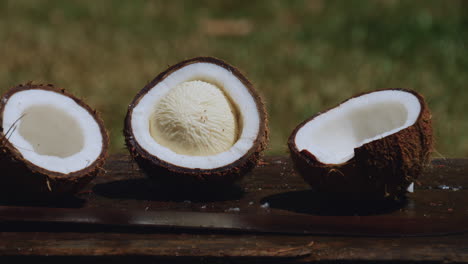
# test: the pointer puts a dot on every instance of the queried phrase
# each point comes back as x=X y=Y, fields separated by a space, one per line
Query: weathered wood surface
x=443 y=191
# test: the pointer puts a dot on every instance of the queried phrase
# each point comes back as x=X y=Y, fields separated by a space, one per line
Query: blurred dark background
x=303 y=56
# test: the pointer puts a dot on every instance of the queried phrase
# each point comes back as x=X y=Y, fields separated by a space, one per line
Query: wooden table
x=442 y=191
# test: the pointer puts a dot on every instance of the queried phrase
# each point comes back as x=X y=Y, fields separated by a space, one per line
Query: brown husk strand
x=23 y=180
x=165 y=172
x=382 y=169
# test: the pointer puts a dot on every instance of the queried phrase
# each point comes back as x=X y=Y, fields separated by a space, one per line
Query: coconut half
x=52 y=143
x=375 y=144
x=200 y=121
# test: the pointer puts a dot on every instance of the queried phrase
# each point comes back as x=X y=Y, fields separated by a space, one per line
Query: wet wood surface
x=272 y=188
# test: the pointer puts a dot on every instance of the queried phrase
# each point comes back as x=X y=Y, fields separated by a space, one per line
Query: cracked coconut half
x=200 y=122
x=372 y=145
x=52 y=143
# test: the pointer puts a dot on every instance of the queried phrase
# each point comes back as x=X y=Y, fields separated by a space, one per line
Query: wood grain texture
x=441 y=192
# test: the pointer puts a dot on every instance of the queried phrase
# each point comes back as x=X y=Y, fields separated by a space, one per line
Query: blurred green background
x=303 y=56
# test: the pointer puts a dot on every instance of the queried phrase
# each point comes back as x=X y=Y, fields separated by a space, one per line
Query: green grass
x=303 y=56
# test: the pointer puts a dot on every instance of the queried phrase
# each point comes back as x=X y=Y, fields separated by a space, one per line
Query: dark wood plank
x=299 y=249
x=109 y=244
x=273 y=188
x=446 y=173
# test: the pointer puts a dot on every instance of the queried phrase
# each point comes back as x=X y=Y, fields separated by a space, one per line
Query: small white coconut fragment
x=411 y=188
x=195 y=118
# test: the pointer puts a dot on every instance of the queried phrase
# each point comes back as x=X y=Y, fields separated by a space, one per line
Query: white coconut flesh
x=51 y=130
x=195 y=118
x=200 y=116
x=332 y=137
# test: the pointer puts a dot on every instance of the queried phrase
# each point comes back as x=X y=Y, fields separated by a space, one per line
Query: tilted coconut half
x=374 y=144
x=200 y=122
x=52 y=143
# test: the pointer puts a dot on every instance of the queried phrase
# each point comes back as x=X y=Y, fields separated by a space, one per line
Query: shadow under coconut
x=60 y=202
x=147 y=189
x=310 y=202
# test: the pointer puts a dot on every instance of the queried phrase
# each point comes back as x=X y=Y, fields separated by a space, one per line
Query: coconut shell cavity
x=52 y=143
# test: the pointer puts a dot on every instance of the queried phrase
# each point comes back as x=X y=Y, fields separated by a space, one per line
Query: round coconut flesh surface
x=199 y=121
x=195 y=118
x=378 y=142
x=52 y=136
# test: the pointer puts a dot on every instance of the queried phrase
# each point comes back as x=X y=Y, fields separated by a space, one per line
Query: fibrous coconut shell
x=380 y=169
